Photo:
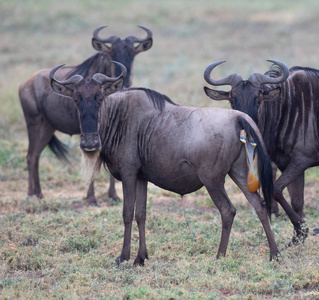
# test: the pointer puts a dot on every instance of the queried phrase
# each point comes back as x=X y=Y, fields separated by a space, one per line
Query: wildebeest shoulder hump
x=157 y=98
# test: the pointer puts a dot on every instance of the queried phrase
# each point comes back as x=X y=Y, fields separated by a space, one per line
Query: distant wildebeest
x=287 y=114
x=144 y=136
x=45 y=111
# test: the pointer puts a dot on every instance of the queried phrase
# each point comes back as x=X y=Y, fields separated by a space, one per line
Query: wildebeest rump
x=45 y=111
x=287 y=114
x=145 y=137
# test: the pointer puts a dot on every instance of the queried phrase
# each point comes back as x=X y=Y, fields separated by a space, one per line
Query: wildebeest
x=145 y=136
x=287 y=114
x=45 y=111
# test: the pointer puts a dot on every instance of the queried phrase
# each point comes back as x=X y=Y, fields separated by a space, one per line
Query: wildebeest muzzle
x=90 y=142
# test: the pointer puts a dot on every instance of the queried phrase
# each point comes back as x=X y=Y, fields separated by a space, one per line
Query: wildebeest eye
x=258 y=100
x=77 y=98
x=99 y=98
x=232 y=100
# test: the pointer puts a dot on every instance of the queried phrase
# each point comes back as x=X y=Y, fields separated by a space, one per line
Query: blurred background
x=188 y=36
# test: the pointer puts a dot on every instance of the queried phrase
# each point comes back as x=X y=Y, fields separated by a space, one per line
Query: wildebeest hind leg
x=256 y=201
x=238 y=174
x=274 y=203
x=39 y=136
x=227 y=211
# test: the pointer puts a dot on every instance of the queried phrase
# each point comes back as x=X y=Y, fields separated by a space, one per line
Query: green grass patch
x=64 y=252
x=10 y=155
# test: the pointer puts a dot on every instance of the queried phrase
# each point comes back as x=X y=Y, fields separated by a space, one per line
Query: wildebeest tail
x=59 y=149
x=265 y=174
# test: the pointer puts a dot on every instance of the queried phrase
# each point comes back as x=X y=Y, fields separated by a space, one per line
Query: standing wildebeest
x=45 y=111
x=144 y=136
x=286 y=112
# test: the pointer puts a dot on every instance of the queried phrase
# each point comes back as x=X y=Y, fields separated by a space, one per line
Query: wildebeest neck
x=125 y=57
x=292 y=119
x=114 y=122
x=115 y=118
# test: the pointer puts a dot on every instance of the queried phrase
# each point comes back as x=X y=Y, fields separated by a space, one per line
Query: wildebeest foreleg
x=90 y=196
x=140 y=216
x=296 y=192
x=291 y=175
x=129 y=193
x=112 y=192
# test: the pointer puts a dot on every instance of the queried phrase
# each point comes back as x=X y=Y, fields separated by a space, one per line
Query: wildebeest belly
x=178 y=177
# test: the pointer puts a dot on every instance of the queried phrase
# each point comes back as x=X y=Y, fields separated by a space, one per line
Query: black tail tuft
x=264 y=166
x=59 y=149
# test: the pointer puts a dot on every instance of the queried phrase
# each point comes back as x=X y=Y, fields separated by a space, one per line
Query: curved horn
x=73 y=80
x=259 y=79
x=102 y=79
x=149 y=35
x=232 y=79
x=96 y=35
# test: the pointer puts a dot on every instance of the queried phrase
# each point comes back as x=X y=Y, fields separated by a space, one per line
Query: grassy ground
x=57 y=248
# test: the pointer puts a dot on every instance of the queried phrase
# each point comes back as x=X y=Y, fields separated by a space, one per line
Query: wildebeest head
x=246 y=96
x=88 y=97
x=122 y=50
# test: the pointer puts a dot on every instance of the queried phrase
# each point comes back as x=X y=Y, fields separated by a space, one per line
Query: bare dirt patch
x=13 y=192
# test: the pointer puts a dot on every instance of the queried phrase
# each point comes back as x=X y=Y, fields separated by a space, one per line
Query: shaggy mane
x=309 y=71
x=98 y=63
x=275 y=71
x=156 y=98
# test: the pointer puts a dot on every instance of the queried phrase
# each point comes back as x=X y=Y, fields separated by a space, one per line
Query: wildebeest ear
x=114 y=87
x=271 y=95
x=100 y=46
x=144 y=46
x=216 y=95
x=62 y=89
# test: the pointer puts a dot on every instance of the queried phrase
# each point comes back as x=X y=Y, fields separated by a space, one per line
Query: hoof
x=91 y=201
x=115 y=200
x=275 y=213
x=315 y=231
x=276 y=256
x=139 y=260
x=35 y=196
x=120 y=259
x=114 y=197
x=299 y=237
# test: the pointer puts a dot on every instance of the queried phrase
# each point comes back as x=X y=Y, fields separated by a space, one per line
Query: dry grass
x=56 y=247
